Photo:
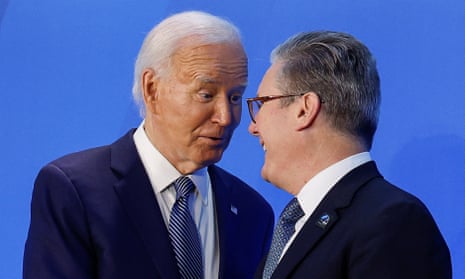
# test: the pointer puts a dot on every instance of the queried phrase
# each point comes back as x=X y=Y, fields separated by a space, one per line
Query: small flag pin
x=234 y=209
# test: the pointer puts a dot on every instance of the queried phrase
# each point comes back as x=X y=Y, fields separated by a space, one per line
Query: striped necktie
x=282 y=233
x=183 y=232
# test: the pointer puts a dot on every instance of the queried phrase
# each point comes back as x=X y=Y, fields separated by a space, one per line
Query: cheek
x=276 y=142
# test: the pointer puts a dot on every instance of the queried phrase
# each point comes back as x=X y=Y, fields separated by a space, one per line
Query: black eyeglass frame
x=263 y=99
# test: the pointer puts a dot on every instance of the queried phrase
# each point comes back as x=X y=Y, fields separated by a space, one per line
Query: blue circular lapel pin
x=323 y=221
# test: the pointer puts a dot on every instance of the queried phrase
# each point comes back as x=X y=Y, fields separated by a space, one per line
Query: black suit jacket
x=374 y=230
x=94 y=215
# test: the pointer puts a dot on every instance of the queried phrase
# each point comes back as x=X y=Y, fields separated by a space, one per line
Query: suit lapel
x=325 y=217
x=226 y=221
x=136 y=195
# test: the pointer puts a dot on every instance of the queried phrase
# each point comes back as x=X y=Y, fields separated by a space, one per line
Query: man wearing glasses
x=315 y=115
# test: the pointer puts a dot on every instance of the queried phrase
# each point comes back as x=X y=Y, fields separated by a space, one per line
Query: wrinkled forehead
x=193 y=45
x=211 y=62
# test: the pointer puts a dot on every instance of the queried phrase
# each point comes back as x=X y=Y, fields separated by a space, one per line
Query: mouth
x=215 y=140
x=263 y=145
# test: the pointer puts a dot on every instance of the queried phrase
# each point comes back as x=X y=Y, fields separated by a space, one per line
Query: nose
x=224 y=113
x=253 y=129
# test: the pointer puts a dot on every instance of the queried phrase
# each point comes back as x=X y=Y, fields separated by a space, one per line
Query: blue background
x=66 y=70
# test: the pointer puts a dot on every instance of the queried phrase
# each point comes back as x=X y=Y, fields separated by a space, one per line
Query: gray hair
x=341 y=71
x=162 y=42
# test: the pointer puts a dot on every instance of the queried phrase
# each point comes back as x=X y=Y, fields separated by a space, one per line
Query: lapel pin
x=323 y=221
x=233 y=209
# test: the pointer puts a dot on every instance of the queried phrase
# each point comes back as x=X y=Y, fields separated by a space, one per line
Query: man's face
x=196 y=107
x=273 y=128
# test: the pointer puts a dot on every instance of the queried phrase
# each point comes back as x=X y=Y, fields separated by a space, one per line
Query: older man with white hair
x=153 y=204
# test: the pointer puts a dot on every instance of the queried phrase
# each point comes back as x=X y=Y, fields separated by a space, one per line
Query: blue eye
x=235 y=99
x=206 y=96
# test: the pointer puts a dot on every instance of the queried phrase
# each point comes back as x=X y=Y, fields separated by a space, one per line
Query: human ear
x=307 y=111
x=149 y=82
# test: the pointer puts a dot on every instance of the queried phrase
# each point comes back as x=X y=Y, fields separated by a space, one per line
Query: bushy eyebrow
x=239 y=88
x=206 y=80
x=212 y=81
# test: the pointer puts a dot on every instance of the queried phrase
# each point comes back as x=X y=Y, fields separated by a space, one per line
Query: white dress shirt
x=162 y=174
x=316 y=188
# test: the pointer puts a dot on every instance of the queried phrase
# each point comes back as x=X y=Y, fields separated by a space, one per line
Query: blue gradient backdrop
x=66 y=76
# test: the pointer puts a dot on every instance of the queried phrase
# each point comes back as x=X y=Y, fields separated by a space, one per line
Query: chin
x=264 y=174
x=270 y=175
x=211 y=159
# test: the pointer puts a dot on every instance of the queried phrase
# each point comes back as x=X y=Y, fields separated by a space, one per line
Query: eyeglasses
x=254 y=104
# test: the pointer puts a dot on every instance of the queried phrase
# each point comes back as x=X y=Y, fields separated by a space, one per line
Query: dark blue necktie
x=183 y=232
x=282 y=233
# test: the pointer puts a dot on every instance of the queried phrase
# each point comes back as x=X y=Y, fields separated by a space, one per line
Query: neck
x=321 y=154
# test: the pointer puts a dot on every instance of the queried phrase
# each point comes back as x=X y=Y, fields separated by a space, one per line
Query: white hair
x=164 y=40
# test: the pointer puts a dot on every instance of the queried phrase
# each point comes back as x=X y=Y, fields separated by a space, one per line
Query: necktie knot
x=292 y=212
x=183 y=186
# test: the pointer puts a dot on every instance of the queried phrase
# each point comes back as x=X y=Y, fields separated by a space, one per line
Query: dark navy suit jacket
x=366 y=228
x=94 y=215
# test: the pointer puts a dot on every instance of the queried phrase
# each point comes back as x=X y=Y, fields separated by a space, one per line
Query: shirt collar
x=160 y=171
x=316 y=188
